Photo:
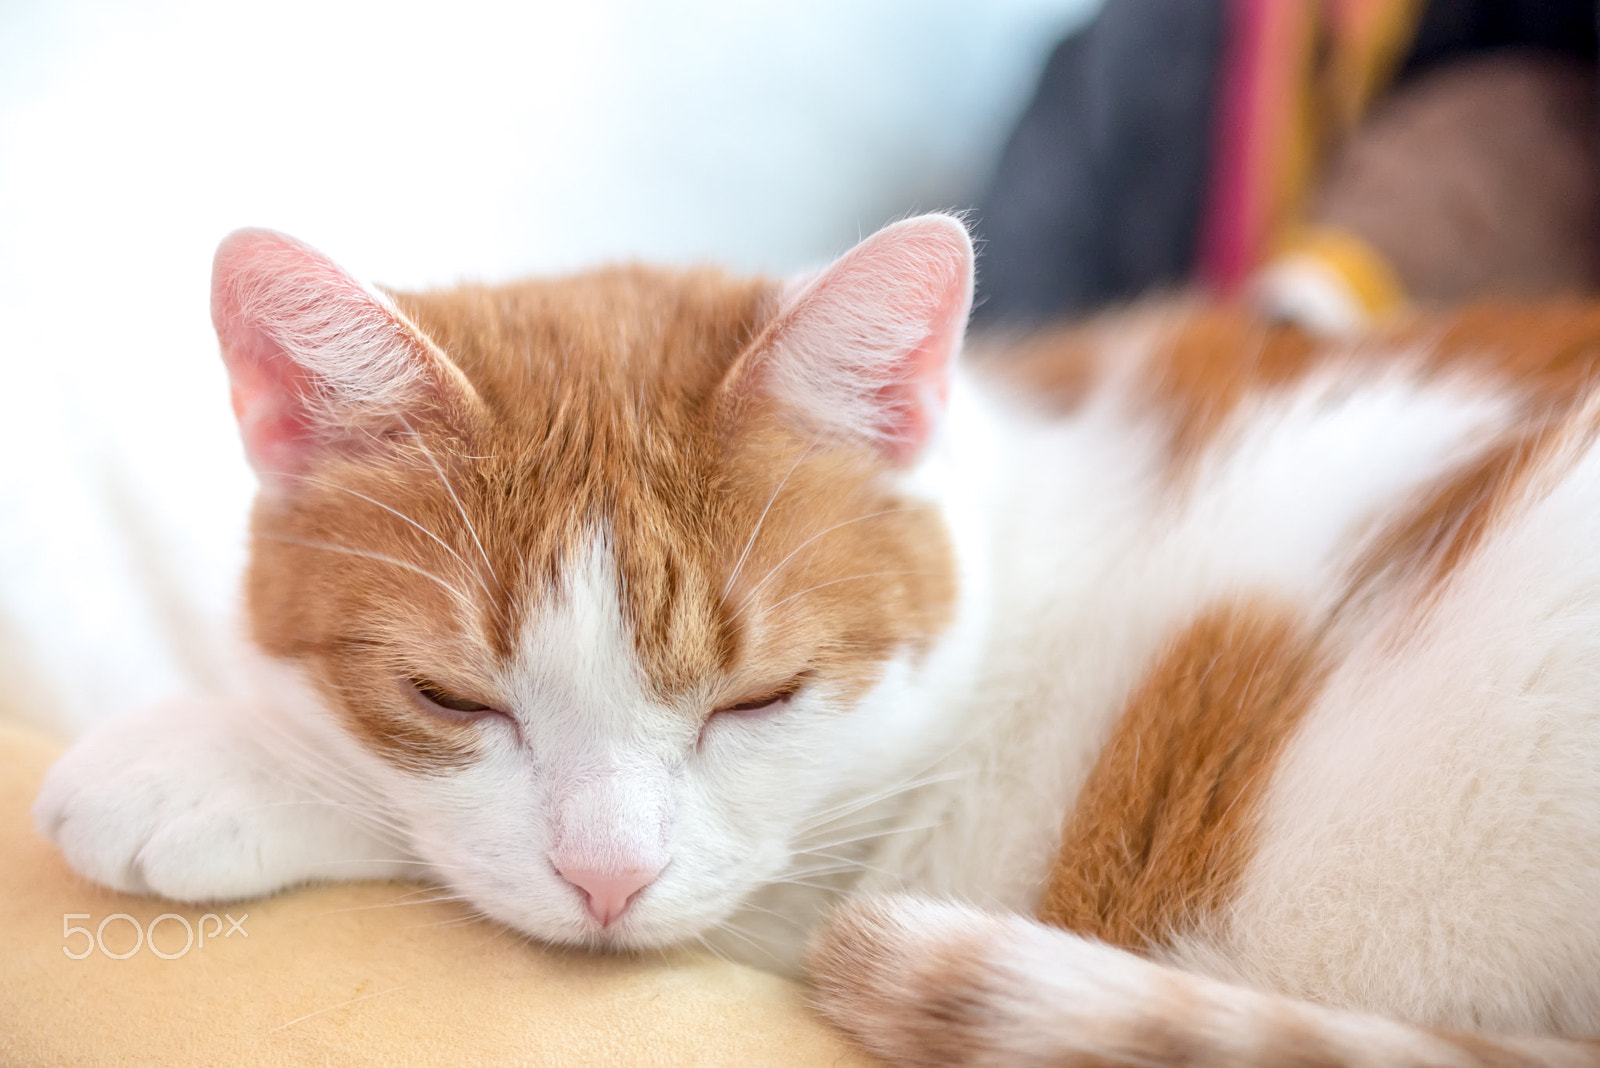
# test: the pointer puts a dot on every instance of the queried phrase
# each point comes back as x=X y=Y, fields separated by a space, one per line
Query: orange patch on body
x=1427 y=543
x=1202 y=371
x=1163 y=824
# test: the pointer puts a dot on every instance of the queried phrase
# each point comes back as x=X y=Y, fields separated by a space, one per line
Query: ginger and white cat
x=637 y=607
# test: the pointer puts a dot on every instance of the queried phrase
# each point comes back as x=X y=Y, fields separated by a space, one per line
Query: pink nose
x=608 y=893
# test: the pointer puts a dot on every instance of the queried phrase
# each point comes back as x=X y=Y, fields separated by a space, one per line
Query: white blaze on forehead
x=576 y=658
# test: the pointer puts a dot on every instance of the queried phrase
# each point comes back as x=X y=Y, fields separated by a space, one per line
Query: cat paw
x=167 y=803
x=908 y=979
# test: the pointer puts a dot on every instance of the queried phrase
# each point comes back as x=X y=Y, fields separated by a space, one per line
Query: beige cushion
x=353 y=974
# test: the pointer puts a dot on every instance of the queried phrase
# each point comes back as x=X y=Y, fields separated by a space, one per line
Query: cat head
x=619 y=575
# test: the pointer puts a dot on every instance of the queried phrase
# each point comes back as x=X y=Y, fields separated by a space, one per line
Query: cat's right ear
x=316 y=360
x=863 y=349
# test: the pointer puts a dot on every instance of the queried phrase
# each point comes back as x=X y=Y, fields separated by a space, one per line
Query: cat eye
x=761 y=702
x=454 y=705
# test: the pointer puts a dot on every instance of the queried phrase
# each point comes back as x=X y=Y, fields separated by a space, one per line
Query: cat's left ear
x=864 y=349
x=318 y=362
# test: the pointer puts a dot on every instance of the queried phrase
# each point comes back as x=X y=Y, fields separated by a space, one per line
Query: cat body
x=643 y=607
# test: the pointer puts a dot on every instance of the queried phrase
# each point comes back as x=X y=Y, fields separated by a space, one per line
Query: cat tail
x=924 y=983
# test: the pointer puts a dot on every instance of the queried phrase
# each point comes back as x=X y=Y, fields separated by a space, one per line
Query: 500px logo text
x=194 y=935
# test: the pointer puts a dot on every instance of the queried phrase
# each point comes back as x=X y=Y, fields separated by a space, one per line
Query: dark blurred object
x=1482 y=182
x=1451 y=29
x=1100 y=190
x=1481 y=176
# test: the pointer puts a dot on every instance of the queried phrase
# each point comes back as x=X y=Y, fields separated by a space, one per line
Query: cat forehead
x=575 y=646
x=601 y=391
x=647 y=336
x=599 y=443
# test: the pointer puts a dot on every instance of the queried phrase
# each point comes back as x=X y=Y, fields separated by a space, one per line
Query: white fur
x=205 y=800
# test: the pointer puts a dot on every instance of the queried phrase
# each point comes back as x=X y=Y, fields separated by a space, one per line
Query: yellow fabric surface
x=349 y=974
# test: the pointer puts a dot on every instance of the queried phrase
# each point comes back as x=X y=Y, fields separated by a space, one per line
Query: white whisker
x=805 y=883
x=835 y=582
x=836 y=843
x=748 y=597
x=790 y=920
x=852 y=864
x=832 y=815
x=749 y=542
x=711 y=949
x=367 y=555
x=745 y=937
x=398 y=514
x=448 y=488
x=397 y=904
x=340 y=1005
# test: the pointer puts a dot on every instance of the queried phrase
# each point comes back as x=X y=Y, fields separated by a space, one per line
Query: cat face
x=618 y=575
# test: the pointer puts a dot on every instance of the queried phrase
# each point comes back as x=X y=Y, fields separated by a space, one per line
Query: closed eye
x=765 y=700
x=437 y=699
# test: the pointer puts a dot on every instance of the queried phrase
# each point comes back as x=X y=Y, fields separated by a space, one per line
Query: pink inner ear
x=269 y=393
x=867 y=346
x=920 y=387
x=290 y=322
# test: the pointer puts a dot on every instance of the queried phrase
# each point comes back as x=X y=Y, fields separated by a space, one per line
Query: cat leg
x=922 y=983
x=200 y=800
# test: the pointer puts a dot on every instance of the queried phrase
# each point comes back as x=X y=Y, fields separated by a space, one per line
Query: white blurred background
x=417 y=144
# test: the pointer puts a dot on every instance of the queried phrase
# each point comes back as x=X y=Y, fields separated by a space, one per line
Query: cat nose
x=608 y=893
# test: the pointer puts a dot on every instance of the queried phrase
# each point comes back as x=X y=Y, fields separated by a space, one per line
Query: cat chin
x=624 y=936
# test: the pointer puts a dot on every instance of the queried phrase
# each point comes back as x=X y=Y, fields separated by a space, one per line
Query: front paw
x=168 y=802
